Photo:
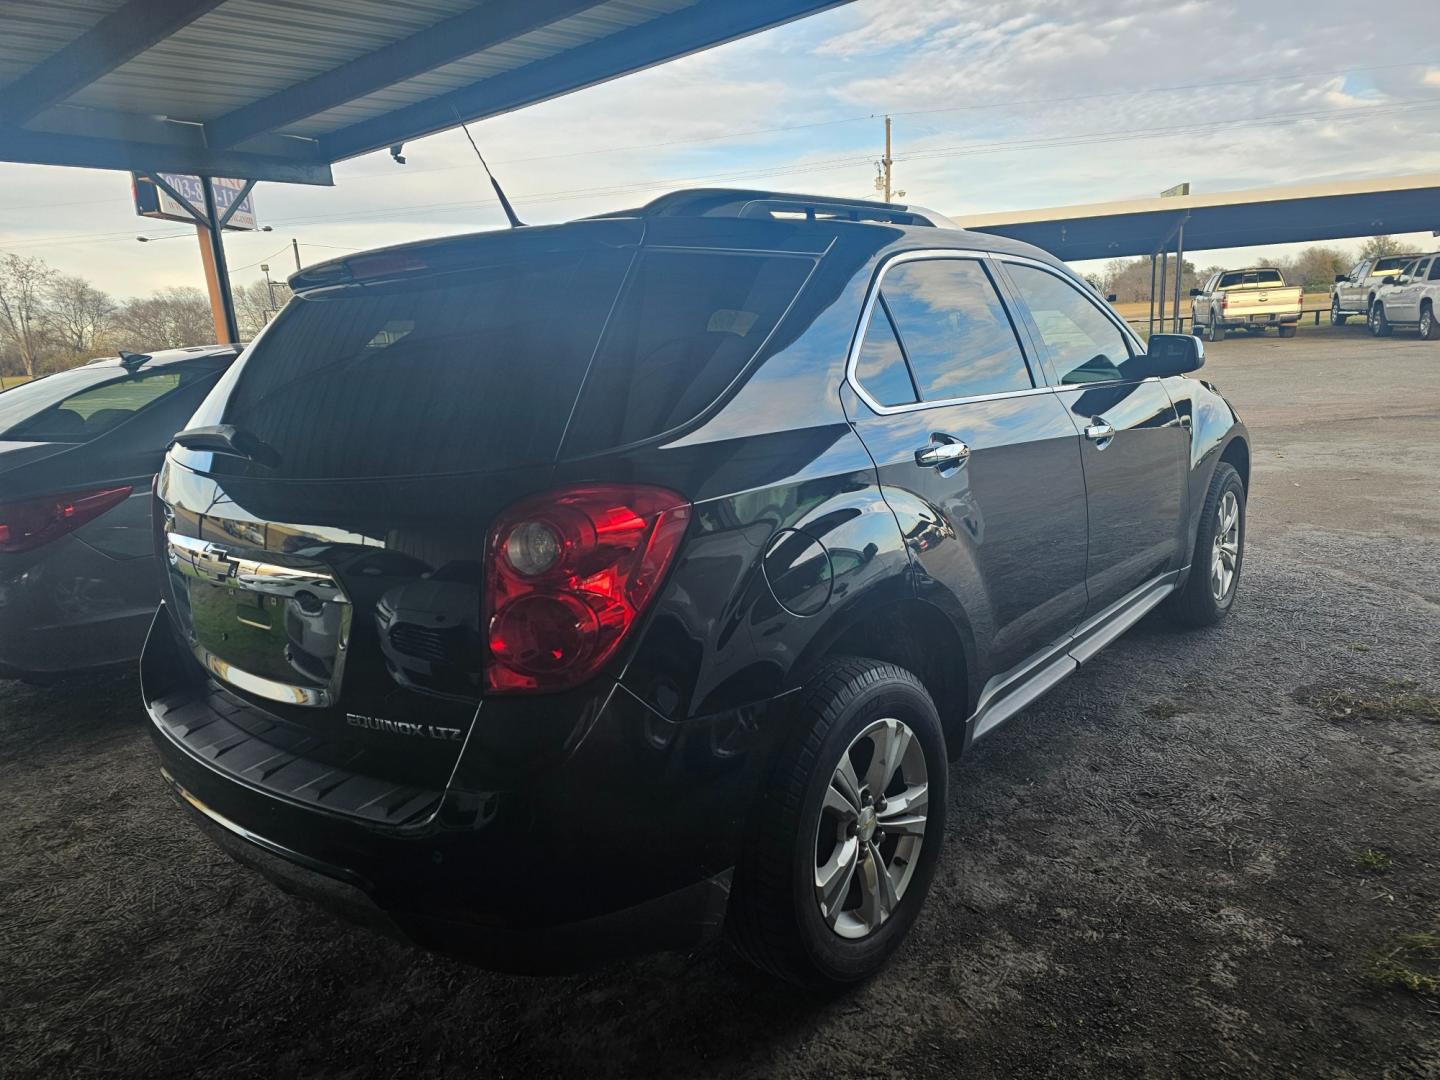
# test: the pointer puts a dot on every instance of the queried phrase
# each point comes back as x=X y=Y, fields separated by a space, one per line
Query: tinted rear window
x=688 y=324
x=1251 y=277
x=447 y=374
x=79 y=405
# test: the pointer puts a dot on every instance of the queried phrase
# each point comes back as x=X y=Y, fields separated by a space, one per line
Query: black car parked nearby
x=78 y=451
x=561 y=592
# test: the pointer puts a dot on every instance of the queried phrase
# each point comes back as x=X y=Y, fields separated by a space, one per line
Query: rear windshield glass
x=447 y=374
x=1251 y=277
x=79 y=405
x=1391 y=262
x=688 y=324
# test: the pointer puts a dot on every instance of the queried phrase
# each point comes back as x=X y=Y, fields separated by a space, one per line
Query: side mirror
x=1168 y=354
x=1195 y=292
x=1399 y=279
x=1341 y=279
x=1110 y=298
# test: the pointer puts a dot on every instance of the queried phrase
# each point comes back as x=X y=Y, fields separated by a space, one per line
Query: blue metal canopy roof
x=1331 y=210
x=280 y=89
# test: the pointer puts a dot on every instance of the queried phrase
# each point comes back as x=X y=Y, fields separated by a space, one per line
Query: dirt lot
x=1206 y=854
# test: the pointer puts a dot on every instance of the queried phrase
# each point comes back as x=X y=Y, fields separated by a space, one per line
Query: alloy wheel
x=1225 y=553
x=872 y=823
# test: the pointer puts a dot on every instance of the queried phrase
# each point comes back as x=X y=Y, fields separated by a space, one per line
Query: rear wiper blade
x=229 y=440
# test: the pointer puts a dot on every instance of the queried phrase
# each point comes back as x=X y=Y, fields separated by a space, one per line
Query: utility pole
x=269 y=290
x=887 y=161
x=295 y=244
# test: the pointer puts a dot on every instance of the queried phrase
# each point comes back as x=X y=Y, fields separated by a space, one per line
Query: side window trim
x=900 y=341
x=987 y=260
x=1132 y=341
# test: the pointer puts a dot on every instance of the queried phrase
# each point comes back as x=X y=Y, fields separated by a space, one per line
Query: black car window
x=1080 y=342
x=79 y=405
x=443 y=374
x=688 y=324
x=1421 y=269
x=1435 y=270
x=954 y=329
x=880 y=367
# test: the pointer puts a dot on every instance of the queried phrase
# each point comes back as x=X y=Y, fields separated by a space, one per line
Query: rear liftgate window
x=463 y=372
x=688 y=324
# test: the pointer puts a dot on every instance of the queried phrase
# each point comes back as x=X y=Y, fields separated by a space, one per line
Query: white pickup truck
x=1410 y=298
x=1249 y=299
x=1354 y=293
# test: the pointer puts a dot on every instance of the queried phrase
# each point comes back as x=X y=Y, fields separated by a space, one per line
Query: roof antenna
x=515 y=222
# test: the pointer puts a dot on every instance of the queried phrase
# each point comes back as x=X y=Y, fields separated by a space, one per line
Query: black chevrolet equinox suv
x=544 y=595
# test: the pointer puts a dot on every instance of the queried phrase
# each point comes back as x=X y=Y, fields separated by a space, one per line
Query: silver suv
x=1410 y=299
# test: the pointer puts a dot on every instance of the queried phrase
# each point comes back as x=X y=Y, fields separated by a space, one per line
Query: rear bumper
x=555 y=842
x=677 y=920
x=1263 y=319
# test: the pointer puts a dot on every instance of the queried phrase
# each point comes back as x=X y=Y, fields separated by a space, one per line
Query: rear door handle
x=940 y=455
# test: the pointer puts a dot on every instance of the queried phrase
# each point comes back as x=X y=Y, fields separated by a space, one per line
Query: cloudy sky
x=996 y=107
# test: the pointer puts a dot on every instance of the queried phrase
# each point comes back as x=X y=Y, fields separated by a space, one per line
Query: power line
x=822 y=165
x=745 y=132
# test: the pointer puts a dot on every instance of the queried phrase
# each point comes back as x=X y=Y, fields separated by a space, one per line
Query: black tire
x=1196 y=604
x=1287 y=330
x=1336 y=319
x=1429 y=323
x=775 y=920
x=1216 y=331
x=1379 y=324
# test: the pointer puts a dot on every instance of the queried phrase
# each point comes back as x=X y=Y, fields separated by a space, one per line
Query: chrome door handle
x=939 y=455
x=1100 y=431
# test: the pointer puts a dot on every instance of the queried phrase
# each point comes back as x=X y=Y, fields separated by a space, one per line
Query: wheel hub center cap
x=866 y=825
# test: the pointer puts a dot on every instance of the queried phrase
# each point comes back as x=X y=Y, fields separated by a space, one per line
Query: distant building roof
x=1331 y=210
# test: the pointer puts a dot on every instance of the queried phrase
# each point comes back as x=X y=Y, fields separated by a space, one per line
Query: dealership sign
x=151 y=200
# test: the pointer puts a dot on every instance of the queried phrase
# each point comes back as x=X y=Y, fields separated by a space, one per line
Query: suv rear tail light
x=568 y=574
x=26 y=525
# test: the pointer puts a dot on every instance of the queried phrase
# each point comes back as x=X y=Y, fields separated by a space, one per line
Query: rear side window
x=1080 y=342
x=881 y=367
x=455 y=373
x=953 y=329
x=1435 y=270
x=688 y=324
x=77 y=406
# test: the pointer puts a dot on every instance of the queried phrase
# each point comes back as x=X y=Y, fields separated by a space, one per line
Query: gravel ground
x=1206 y=854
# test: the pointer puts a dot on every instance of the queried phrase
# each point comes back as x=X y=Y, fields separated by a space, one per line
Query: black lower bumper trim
x=676 y=921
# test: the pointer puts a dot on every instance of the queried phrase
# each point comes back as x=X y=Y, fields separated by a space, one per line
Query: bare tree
x=257 y=303
x=1377 y=247
x=79 y=314
x=166 y=319
x=1316 y=267
x=24 y=291
x=1129 y=279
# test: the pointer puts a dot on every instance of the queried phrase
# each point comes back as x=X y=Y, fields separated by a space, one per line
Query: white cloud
x=1020 y=88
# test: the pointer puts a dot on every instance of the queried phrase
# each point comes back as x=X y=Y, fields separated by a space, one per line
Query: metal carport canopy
x=1259 y=217
x=281 y=89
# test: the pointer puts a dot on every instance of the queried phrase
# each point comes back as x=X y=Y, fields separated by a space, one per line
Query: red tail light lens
x=26 y=525
x=567 y=576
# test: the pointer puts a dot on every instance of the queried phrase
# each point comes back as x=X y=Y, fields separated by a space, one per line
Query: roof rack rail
x=735 y=202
